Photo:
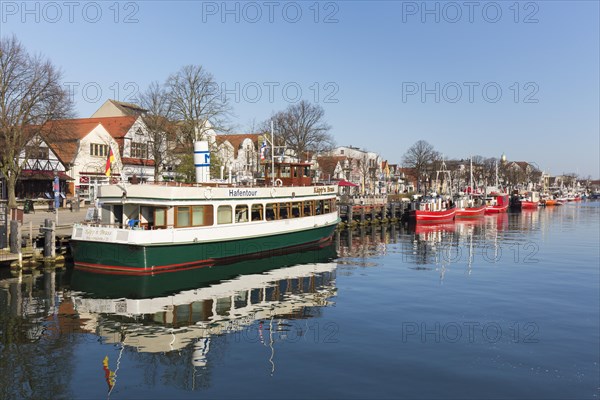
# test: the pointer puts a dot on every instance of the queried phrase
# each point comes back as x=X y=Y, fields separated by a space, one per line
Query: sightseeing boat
x=150 y=228
x=431 y=209
x=496 y=203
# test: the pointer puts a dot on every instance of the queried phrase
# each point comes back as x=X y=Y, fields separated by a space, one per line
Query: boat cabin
x=289 y=174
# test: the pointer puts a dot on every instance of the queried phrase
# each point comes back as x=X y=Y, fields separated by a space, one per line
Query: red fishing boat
x=471 y=207
x=431 y=209
x=496 y=203
x=530 y=202
x=470 y=212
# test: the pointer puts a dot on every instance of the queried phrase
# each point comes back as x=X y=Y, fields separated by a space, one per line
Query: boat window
x=284 y=210
x=296 y=209
x=326 y=207
x=182 y=217
x=224 y=215
x=271 y=211
x=306 y=171
x=285 y=171
x=202 y=215
x=257 y=212
x=160 y=217
x=241 y=213
x=308 y=208
x=320 y=207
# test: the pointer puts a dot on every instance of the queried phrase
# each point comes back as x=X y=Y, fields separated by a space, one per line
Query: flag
x=109 y=161
x=263 y=148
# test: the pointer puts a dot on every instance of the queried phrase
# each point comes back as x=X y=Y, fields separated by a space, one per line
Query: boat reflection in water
x=146 y=314
x=465 y=242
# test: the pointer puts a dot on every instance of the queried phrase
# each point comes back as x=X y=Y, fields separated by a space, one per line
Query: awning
x=344 y=182
x=44 y=175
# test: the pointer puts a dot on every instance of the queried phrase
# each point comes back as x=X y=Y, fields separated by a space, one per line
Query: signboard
x=56 y=188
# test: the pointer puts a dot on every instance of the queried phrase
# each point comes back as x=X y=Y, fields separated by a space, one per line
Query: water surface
x=508 y=306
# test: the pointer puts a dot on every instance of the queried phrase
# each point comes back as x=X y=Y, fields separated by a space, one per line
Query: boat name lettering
x=240 y=193
x=102 y=234
x=324 y=189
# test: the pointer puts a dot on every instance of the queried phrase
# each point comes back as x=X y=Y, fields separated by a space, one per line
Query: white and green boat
x=155 y=228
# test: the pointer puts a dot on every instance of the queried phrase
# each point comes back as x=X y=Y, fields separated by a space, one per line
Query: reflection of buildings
x=366 y=242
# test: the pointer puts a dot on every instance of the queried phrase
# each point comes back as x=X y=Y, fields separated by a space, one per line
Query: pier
x=372 y=210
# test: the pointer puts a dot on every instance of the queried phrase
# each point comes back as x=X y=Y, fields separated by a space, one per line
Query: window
x=224 y=215
x=326 y=207
x=98 y=150
x=284 y=210
x=308 y=208
x=285 y=171
x=296 y=208
x=37 y=153
x=320 y=207
x=257 y=212
x=182 y=217
x=186 y=216
x=139 y=150
x=202 y=215
x=241 y=213
x=271 y=212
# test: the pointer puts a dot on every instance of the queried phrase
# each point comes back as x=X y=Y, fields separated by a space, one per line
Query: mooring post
x=49 y=238
x=350 y=207
x=393 y=212
x=362 y=215
x=15 y=237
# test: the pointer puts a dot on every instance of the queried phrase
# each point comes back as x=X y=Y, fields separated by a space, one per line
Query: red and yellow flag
x=109 y=161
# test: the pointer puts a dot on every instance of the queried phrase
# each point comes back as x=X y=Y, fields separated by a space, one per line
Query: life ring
x=273 y=192
x=208 y=193
x=278 y=182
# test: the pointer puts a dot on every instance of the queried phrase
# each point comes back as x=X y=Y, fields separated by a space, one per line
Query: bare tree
x=31 y=94
x=198 y=107
x=159 y=122
x=302 y=128
x=422 y=157
x=197 y=103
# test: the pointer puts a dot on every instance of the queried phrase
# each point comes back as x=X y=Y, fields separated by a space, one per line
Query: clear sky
x=470 y=77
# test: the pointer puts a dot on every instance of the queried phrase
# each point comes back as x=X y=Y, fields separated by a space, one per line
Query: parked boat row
x=436 y=208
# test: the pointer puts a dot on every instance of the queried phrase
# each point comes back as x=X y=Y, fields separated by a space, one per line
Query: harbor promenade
x=66 y=219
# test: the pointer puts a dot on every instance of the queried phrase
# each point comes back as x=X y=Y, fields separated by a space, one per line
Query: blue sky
x=486 y=78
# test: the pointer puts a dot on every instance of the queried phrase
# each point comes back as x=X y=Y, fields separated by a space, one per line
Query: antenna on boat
x=272 y=154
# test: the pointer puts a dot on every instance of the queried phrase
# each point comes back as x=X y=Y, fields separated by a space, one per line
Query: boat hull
x=141 y=259
x=470 y=212
x=432 y=216
x=529 y=205
x=496 y=209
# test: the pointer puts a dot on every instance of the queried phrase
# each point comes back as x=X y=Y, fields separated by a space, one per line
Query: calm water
x=504 y=307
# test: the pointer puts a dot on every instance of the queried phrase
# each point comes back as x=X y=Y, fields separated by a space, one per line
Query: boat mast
x=471 y=177
x=497 y=188
x=272 y=155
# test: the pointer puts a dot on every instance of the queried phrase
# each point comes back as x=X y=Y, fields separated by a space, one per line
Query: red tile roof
x=63 y=135
x=327 y=164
